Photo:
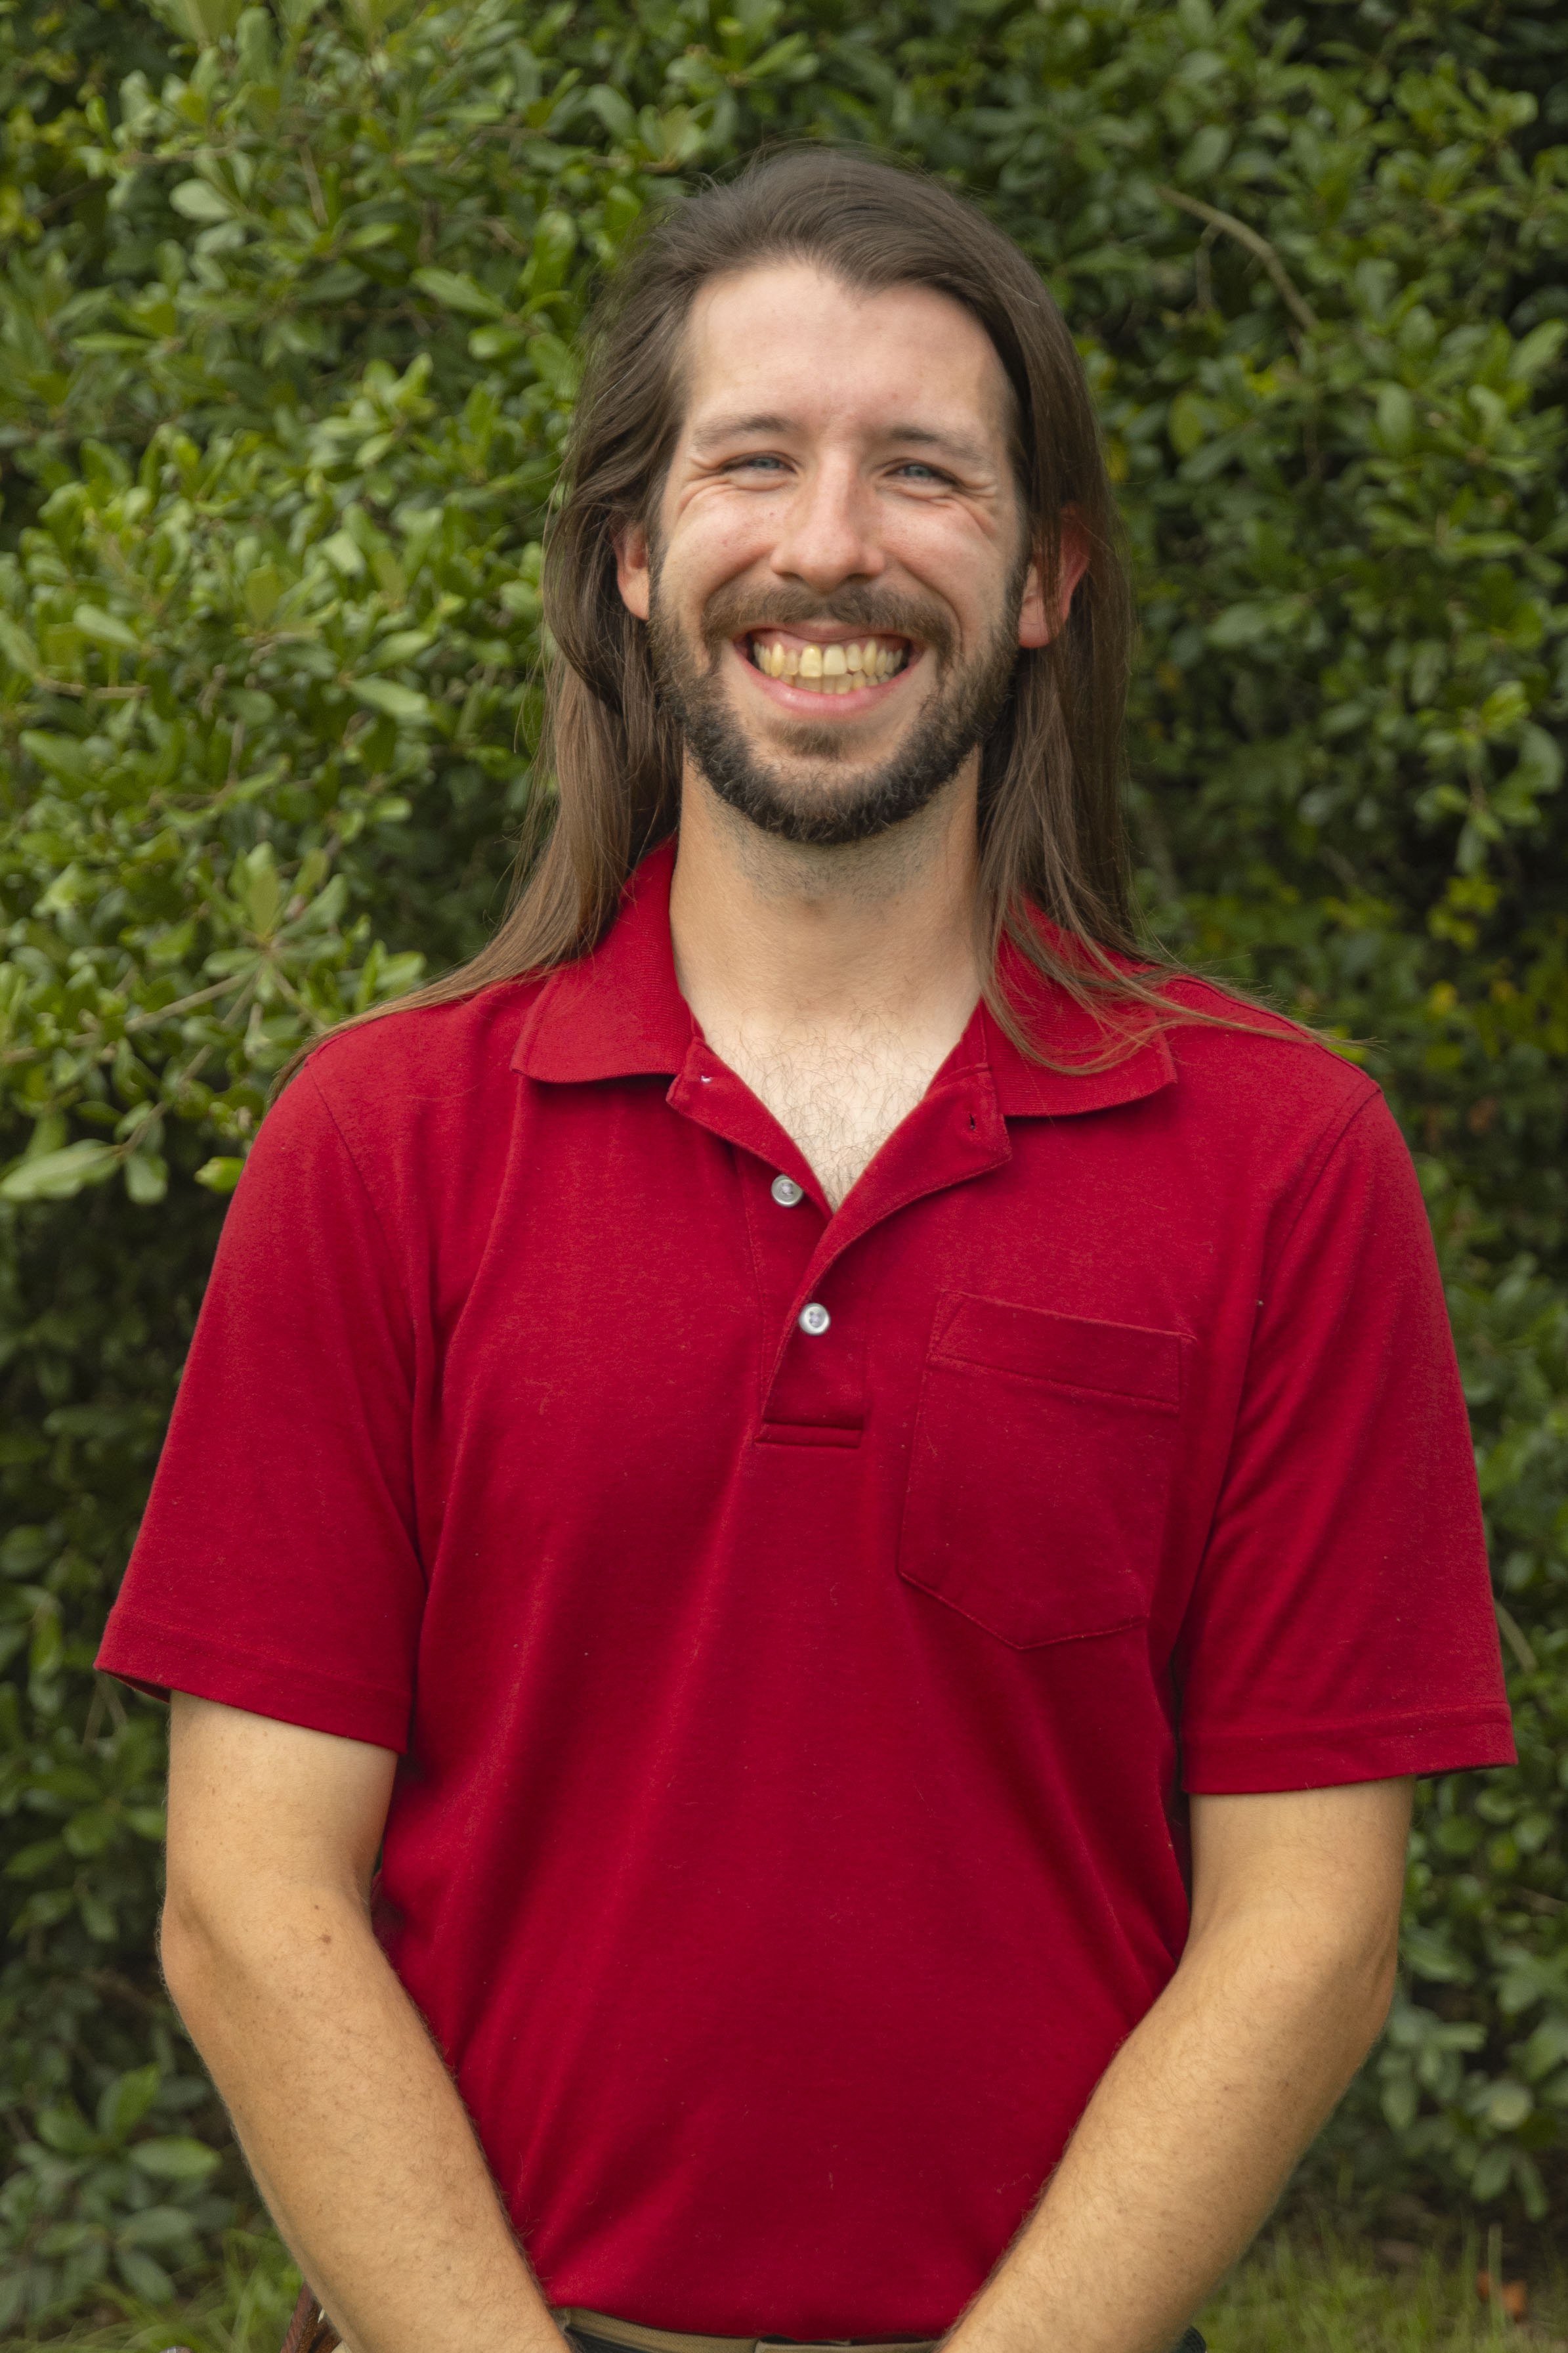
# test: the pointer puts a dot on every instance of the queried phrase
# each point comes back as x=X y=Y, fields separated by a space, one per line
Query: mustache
x=731 y=609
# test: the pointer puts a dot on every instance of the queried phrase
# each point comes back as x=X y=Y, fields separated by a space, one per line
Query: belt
x=310 y=2331
x=596 y=2330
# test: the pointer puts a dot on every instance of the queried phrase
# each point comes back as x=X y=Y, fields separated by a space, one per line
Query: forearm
x=350 y=2125
x=1186 y=2142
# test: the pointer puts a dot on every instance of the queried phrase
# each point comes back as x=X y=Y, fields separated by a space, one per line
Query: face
x=839 y=583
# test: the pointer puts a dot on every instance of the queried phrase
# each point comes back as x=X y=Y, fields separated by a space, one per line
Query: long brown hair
x=1052 y=831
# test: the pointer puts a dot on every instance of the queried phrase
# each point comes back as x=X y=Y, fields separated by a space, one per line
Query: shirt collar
x=1071 y=1034
x=618 y=1013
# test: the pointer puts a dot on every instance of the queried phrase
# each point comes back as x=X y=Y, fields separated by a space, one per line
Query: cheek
x=715 y=541
x=960 y=564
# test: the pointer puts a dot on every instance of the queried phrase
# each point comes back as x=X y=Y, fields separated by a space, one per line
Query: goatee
x=830 y=805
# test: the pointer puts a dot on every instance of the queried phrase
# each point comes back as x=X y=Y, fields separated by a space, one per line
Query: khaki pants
x=310 y=2331
x=596 y=2332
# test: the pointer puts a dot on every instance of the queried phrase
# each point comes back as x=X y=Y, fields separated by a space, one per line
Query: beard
x=827 y=801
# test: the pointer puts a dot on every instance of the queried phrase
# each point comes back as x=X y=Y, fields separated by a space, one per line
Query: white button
x=786 y=1192
x=815 y=1318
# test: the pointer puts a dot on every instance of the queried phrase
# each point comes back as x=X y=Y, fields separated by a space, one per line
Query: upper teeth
x=829 y=669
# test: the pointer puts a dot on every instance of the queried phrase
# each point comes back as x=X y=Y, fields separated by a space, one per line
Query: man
x=864 y=1496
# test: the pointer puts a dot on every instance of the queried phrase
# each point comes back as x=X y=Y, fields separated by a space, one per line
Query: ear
x=632 y=569
x=1038 y=624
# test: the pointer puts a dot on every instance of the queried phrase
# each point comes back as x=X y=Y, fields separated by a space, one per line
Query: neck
x=774 y=938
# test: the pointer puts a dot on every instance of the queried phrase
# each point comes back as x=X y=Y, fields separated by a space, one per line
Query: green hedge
x=286 y=321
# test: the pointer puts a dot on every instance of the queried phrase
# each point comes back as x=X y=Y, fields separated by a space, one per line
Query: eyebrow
x=906 y=436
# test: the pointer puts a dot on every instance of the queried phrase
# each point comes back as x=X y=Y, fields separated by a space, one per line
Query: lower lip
x=810 y=705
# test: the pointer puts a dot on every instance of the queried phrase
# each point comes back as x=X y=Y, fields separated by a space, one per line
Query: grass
x=246 y=2310
x=1306 y=2292
x=1299 y=2291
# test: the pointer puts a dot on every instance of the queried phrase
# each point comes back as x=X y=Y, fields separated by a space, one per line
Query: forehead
x=789 y=341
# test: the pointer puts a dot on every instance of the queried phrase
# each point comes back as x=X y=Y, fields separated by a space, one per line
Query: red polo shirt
x=800 y=1629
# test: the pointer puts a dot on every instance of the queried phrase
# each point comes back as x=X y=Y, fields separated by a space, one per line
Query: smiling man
x=860 y=1492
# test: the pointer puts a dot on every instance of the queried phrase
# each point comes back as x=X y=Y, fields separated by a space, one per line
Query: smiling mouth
x=837 y=669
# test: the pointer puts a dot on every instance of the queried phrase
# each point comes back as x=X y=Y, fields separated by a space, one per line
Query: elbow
x=1356 y=1976
x=188 y=1949
x=1331 y=1978
x=214 y=1929
x=1372 y=1961
x=1381 y=1978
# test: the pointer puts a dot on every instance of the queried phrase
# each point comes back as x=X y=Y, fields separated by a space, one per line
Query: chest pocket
x=1043 y=1452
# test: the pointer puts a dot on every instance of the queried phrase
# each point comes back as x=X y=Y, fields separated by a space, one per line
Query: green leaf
x=1205 y=154
x=1399 y=2101
x=259 y=889
x=97 y=1918
x=1395 y=419
x=456 y=291
x=497 y=343
x=104 y=629
x=1431 y=1956
x=174 y=2158
x=198 y=200
x=1538 y=768
x=613 y=110
x=126 y=2101
x=213 y=20
x=62 y=755
x=555 y=365
x=1241 y=624
x=1190 y=422
x=144 y=2276
x=18 y=647
x=30 y=1860
x=1504 y=707
x=399 y=703
x=62 y=2126
x=146 y=1178
x=89 y=1833
x=1547 y=2047
x=555 y=245
x=220 y=1174
x=65 y=2238
x=1534 y=353
x=168 y=2227
x=58 y=1175
x=1505 y=2104
x=402 y=645
x=263 y=590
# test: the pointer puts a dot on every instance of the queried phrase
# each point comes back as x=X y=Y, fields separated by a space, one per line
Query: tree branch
x=1301 y=310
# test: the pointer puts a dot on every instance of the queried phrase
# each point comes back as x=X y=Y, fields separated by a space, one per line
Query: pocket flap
x=1114 y=1359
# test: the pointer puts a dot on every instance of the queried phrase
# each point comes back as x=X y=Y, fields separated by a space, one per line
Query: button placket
x=785 y=1224
x=813 y=1388
x=817 y=1392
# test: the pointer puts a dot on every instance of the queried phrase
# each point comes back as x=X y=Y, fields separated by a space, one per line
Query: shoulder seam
x=349 y=1154
x=1329 y=1145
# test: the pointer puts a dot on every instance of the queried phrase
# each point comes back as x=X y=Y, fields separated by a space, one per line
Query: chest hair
x=840 y=1095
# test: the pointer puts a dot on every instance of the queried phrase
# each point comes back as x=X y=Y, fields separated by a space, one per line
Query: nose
x=829 y=529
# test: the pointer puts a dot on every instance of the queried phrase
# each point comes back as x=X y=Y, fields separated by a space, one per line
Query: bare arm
x=350 y=2123
x=1195 y=2126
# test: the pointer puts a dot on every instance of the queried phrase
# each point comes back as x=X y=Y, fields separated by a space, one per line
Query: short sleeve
x=1341 y=1627
x=277 y=1569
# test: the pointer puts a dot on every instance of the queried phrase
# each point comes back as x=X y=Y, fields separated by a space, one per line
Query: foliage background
x=286 y=298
